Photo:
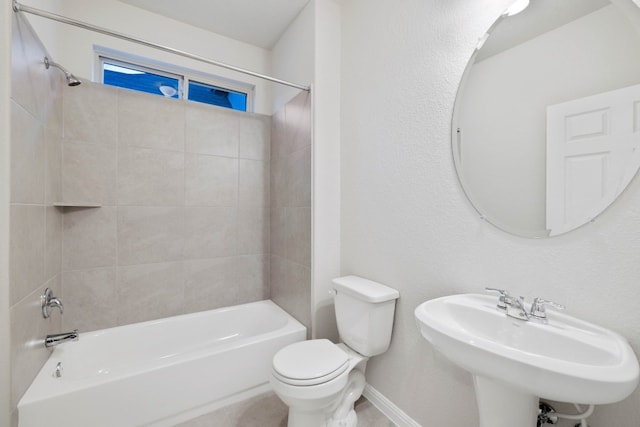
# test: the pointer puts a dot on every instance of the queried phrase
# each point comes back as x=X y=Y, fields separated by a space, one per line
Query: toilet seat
x=308 y=363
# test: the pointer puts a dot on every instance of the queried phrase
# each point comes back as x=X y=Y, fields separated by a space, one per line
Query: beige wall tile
x=291 y=288
x=89 y=238
x=90 y=113
x=210 y=232
x=210 y=180
x=52 y=104
x=30 y=78
x=89 y=173
x=35 y=231
x=44 y=81
x=280 y=141
x=148 y=122
x=279 y=182
x=211 y=283
x=298 y=112
x=26 y=257
x=278 y=280
x=278 y=240
x=150 y=234
x=28 y=331
x=23 y=56
x=150 y=291
x=299 y=177
x=53 y=242
x=211 y=130
x=298 y=235
x=298 y=292
x=290 y=198
x=90 y=299
x=253 y=277
x=253 y=230
x=27 y=157
x=150 y=177
x=255 y=135
x=53 y=167
x=253 y=183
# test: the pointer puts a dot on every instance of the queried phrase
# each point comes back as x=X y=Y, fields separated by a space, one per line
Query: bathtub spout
x=55 y=339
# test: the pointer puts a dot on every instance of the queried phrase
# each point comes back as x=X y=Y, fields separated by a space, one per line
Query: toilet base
x=351 y=420
x=301 y=419
x=339 y=414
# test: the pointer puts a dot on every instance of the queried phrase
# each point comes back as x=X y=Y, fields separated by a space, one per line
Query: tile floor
x=266 y=410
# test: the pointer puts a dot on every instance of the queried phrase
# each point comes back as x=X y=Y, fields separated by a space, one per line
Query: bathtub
x=160 y=373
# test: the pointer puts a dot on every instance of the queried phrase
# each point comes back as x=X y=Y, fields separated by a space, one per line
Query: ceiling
x=257 y=22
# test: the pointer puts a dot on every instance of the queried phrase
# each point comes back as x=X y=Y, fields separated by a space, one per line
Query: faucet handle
x=539 y=307
x=48 y=301
x=504 y=294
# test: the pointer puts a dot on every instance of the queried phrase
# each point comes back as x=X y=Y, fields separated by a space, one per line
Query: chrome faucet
x=55 y=339
x=48 y=301
x=514 y=306
x=538 y=308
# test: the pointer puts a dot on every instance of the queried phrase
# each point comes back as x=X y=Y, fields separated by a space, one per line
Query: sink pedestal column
x=501 y=405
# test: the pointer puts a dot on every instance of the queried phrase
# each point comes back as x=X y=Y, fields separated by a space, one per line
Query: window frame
x=183 y=75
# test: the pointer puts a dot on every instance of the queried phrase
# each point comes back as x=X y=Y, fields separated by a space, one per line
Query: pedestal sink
x=515 y=362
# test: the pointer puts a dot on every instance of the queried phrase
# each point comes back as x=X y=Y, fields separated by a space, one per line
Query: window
x=172 y=82
x=209 y=94
x=129 y=76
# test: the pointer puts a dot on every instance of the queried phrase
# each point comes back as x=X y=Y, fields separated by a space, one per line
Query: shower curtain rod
x=17 y=7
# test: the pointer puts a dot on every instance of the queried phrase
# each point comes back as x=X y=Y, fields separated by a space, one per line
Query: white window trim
x=184 y=75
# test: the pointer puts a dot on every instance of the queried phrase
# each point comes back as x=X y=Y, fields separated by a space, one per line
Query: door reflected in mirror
x=546 y=125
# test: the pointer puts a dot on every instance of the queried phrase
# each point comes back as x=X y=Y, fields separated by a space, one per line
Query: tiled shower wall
x=35 y=224
x=184 y=219
x=291 y=208
x=187 y=211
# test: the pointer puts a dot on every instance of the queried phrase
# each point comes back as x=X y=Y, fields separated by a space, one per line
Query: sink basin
x=565 y=359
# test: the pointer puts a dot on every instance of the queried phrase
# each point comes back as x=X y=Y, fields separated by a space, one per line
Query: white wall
x=326 y=166
x=292 y=57
x=73 y=47
x=407 y=223
x=504 y=164
x=5 y=84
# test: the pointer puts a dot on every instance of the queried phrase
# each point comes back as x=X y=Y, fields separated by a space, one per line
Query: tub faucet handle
x=48 y=302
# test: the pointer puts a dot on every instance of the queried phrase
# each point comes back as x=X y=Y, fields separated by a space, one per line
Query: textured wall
x=184 y=189
x=291 y=208
x=35 y=225
x=406 y=222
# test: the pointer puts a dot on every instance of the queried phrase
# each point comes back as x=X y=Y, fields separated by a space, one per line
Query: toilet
x=320 y=380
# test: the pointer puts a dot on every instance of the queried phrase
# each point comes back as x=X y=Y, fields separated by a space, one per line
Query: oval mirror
x=546 y=124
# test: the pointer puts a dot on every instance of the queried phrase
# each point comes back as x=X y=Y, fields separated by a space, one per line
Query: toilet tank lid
x=365 y=289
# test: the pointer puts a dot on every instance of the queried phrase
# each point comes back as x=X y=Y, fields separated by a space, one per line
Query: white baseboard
x=391 y=411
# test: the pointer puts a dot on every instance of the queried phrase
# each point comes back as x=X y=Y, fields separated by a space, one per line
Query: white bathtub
x=162 y=372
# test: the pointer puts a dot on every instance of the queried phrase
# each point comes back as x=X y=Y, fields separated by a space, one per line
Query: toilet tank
x=364 y=314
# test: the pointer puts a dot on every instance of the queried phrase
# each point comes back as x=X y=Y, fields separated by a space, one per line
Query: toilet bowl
x=320 y=380
x=314 y=378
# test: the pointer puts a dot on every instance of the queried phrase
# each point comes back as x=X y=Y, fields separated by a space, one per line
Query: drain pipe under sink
x=582 y=417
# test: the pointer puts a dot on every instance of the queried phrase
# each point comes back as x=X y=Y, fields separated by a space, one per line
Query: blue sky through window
x=144 y=81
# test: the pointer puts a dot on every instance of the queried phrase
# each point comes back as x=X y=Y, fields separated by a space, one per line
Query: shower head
x=71 y=79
